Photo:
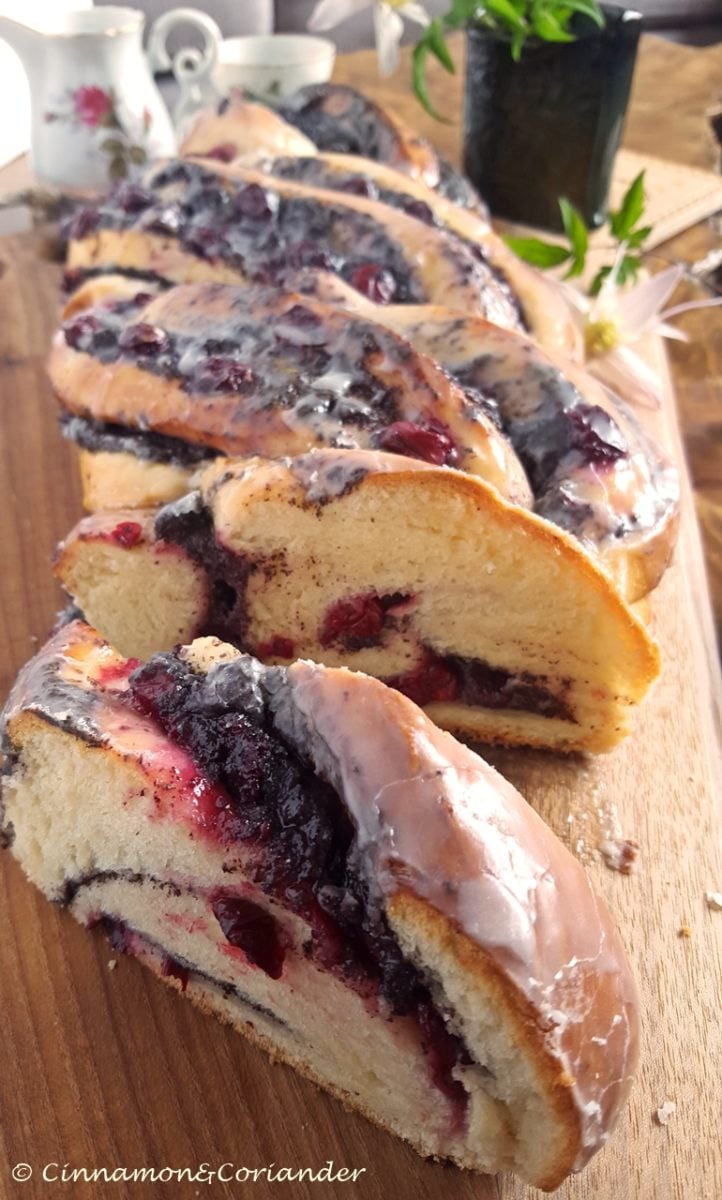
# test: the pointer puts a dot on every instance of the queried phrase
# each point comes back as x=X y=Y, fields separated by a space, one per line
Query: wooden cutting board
x=107 y=1068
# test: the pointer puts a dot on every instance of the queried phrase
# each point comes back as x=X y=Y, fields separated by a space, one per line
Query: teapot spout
x=26 y=42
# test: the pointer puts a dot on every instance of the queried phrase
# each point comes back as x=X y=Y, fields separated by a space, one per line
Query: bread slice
x=593 y=470
x=500 y=625
x=192 y=221
x=306 y=856
x=255 y=371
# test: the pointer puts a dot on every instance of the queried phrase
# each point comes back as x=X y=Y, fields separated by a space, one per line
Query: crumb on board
x=714 y=901
x=666 y=1110
x=620 y=854
x=112 y=964
x=684 y=931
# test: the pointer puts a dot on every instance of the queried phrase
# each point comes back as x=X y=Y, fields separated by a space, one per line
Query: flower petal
x=415 y=12
x=576 y=299
x=637 y=307
x=388 y=27
x=328 y=13
x=671 y=332
x=691 y=306
x=625 y=372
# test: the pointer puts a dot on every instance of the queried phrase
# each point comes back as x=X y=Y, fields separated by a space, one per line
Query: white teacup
x=273 y=66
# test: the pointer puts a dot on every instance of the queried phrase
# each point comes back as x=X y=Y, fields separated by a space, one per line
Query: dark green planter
x=549 y=125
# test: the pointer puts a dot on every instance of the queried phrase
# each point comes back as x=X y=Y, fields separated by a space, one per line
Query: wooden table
x=104 y=1068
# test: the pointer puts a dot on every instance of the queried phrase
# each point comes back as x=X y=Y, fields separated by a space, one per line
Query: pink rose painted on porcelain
x=117 y=134
x=91 y=105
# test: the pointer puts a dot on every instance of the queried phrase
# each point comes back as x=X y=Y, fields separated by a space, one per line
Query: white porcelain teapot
x=97 y=115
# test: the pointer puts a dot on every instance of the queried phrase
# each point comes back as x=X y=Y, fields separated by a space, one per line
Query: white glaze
x=433 y=817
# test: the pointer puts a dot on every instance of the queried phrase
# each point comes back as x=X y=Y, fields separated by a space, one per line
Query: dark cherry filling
x=277 y=646
x=114 y=673
x=189 y=524
x=133 y=199
x=300 y=839
x=445 y=1052
x=450 y=678
x=224 y=152
x=251 y=929
x=127 y=533
x=430 y=442
x=358 y=621
x=373 y=281
x=595 y=435
x=143 y=339
x=171 y=967
x=355 y=622
x=222 y=374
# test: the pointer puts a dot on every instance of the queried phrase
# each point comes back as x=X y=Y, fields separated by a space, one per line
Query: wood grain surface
x=107 y=1068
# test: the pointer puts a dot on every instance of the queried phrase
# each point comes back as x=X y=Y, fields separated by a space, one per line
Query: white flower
x=614 y=320
x=388 y=23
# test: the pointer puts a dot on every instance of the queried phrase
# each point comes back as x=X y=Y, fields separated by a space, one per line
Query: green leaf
x=438 y=47
x=112 y=146
x=507 y=13
x=537 y=252
x=418 y=78
x=137 y=155
x=578 y=235
x=595 y=286
x=588 y=8
x=638 y=236
x=547 y=27
x=629 y=269
x=627 y=272
x=517 y=45
x=462 y=13
x=622 y=221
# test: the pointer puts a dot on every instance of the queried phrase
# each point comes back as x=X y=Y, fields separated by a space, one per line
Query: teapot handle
x=192 y=68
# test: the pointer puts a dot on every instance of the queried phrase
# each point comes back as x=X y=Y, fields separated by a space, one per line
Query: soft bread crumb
x=666 y=1110
x=620 y=854
x=714 y=901
x=112 y=964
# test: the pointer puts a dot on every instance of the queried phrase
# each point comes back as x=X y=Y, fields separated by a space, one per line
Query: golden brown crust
x=407 y=909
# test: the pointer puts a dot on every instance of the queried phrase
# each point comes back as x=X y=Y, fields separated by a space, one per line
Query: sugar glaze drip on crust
x=457 y=858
